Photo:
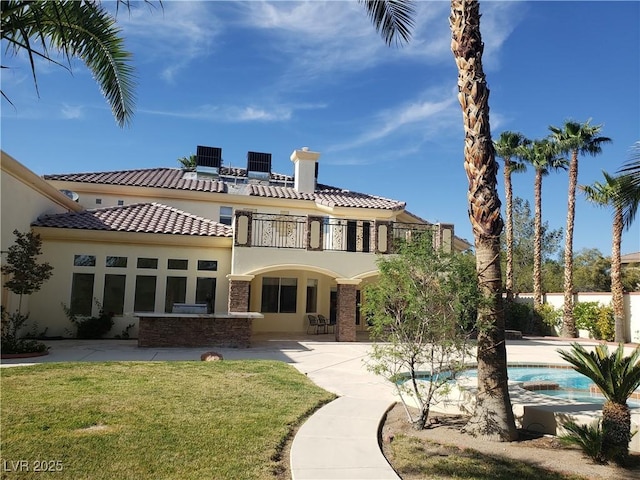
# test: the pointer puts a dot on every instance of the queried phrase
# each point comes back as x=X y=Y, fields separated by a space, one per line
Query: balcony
x=316 y=233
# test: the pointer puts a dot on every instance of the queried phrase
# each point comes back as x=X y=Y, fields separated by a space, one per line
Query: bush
x=91 y=327
x=517 y=316
x=10 y=342
x=596 y=318
x=588 y=437
x=548 y=317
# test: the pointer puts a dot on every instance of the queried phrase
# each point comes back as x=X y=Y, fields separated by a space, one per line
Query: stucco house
x=233 y=239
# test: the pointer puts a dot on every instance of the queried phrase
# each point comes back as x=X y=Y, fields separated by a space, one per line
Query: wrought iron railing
x=335 y=234
x=279 y=231
x=348 y=235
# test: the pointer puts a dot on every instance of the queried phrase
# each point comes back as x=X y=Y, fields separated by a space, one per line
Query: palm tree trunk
x=509 y=228
x=537 y=242
x=568 y=322
x=616 y=429
x=493 y=416
x=616 y=278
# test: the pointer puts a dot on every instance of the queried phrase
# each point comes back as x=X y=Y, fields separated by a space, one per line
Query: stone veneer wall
x=239 y=296
x=194 y=332
x=346 y=325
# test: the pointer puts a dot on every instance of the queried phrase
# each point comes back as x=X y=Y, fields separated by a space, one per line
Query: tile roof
x=173 y=178
x=152 y=177
x=137 y=218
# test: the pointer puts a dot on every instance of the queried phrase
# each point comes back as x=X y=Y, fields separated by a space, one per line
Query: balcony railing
x=331 y=234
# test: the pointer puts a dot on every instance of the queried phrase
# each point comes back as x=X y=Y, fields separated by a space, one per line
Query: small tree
x=27 y=277
x=420 y=310
x=617 y=377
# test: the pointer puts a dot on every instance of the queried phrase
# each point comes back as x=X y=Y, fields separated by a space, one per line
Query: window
x=176 y=292
x=82 y=293
x=145 y=297
x=206 y=292
x=226 y=215
x=210 y=265
x=147 y=263
x=279 y=295
x=176 y=264
x=120 y=202
x=312 y=295
x=84 y=260
x=116 y=261
x=98 y=201
x=113 y=299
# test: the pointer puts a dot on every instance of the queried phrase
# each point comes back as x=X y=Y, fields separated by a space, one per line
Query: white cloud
x=432 y=113
x=235 y=113
x=72 y=112
x=174 y=35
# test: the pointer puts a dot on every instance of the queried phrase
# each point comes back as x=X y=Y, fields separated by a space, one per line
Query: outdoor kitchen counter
x=195 y=329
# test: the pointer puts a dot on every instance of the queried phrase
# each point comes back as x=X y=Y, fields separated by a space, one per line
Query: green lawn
x=151 y=420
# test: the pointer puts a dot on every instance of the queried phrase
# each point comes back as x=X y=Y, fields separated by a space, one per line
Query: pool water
x=566 y=378
x=573 y=385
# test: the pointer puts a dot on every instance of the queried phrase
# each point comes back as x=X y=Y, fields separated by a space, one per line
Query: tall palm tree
x=576 y=139
x=617 y=377
x=493 y=416
x=624 y=196
x=506 y=147
x=544 y=156
x=74 y=29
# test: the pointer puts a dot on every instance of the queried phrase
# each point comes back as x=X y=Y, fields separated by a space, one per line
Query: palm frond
x=617 y=376
x=83 y=30
x=393 y=19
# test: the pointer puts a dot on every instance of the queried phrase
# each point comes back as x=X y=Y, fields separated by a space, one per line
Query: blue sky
x=276 y=76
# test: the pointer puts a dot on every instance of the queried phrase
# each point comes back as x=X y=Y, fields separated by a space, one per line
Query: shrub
x=596 y=318
x=548 y=317
x=90 y=327
x=10 y=341
x=517 y=316
x=588 y=437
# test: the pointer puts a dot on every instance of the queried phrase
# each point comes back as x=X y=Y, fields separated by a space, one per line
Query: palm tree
x=188 y=163
x=493 y=416
x=506 y=148
x=631 y=169
x=624 y=196
x=577 y=139
x=75 y=29
x=543 y=155
x=617 y=377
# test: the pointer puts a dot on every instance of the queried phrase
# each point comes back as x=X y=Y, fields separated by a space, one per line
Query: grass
x=152 y=420
x=410 y=458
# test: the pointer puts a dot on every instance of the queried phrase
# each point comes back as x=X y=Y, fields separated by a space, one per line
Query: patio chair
x=323 y=323
x=313 y=323
x=328 y=324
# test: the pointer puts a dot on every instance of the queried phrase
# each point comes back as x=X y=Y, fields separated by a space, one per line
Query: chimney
x=306 y=169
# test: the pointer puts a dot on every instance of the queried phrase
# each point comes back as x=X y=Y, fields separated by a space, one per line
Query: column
x=346 y=310
x=239 y=292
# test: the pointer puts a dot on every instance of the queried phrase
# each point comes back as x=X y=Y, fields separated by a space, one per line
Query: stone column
x=346 y=310
x=239 y=292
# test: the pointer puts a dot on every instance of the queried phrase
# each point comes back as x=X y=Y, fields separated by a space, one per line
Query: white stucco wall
x=46 y=307
x=631 y=307
x=25 y=197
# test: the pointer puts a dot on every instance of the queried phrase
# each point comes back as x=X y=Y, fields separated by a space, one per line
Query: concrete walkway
x=340 y=441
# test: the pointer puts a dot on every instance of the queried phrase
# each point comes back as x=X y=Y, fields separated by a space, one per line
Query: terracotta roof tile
x=154 y=177
x=174 y=178
x=140 y=218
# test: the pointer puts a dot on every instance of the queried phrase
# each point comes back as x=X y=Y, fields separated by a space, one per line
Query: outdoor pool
x=572 y=385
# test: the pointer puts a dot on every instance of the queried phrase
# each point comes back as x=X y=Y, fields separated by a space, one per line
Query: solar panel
x=209 y=156
x=258 y=162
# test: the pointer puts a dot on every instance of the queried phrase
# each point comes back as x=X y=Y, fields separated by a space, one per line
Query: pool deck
x=339 y=441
